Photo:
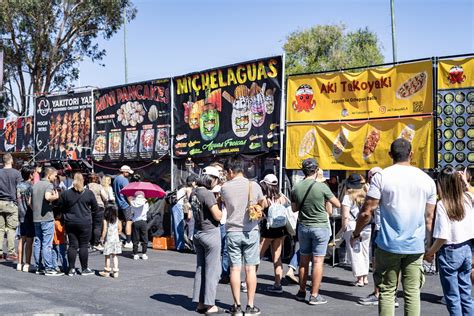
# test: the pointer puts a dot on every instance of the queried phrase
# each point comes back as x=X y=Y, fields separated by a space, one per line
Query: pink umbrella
x=151 y=190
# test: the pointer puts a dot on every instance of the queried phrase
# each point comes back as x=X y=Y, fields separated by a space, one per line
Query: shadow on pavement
x=432 y=298
x=176 y=300
x=179 y=273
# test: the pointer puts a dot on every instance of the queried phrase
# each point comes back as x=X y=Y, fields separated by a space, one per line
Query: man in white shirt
x=407 y=198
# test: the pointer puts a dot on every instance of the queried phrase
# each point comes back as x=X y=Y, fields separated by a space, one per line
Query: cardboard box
x=163 y=243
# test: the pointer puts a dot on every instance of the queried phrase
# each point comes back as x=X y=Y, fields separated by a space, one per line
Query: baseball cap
x=126 y=168
x=212 y=171
x=309 y=164
x=354 y=181
x=270 y=179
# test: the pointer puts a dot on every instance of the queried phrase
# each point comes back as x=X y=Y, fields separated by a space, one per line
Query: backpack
x=276 y=217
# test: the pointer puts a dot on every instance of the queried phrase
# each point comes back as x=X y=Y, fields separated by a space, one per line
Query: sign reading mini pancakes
x=132 y=121
x=63 y=126
x=234 y=109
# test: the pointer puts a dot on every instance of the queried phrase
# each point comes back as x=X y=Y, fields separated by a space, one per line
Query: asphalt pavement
x=163 y=285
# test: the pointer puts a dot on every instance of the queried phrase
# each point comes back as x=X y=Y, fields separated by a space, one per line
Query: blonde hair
x=357 y=196
x=106 y=181
x=78 y=182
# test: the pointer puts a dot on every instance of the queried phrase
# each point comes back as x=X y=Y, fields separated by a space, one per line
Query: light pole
x=394 y=44
x=125 y=45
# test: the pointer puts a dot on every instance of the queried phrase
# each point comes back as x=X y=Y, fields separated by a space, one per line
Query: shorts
x=243 y=247
x=27 y=229
x=313 y=240
x=125 y=214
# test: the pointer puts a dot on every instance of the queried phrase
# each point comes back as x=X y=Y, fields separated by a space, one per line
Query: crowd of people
x=392 y=221
x=55 y=218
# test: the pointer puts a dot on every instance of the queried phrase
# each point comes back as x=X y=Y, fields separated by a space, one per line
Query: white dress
x=112 y=245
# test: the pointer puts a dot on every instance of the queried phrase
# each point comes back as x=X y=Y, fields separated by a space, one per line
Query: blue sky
x=171 y=38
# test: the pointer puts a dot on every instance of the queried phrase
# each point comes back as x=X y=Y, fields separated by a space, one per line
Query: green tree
x=328 y=47
x=45 y=39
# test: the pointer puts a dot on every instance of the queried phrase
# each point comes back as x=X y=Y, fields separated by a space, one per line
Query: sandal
x=105 y=273
x=115 y=274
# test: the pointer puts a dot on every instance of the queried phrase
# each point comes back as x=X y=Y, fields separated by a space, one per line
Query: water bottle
x=356 y=247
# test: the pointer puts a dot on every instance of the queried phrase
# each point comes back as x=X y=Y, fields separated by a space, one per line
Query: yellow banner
x=359 y=145
x=456 y=73
x=379 y=92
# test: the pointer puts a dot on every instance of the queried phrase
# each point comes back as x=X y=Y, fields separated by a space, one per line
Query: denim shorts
x=313 y=241
x=243 y=247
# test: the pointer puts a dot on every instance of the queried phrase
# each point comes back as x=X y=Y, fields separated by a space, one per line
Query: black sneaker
x=236 y=310
x=254 y=310
x=275 y=289
x=53 y=273
x=72 y=272
x=39 y=271
x=87 y=271
x=300 y=296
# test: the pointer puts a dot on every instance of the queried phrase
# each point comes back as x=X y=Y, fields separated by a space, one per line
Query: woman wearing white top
x=351 y=204
x=453 y=232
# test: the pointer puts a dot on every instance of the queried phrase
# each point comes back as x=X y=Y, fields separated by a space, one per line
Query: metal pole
x=91 y=136
x=394 y=44
x=282 y=122
x=125 y=45
x=172 y=134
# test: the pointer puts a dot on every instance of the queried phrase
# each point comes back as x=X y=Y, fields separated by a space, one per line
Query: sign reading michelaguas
x=234 y=109
x=374 y=93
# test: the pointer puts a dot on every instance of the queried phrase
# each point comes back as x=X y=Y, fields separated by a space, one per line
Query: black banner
x=63 y=126
x=132 y=122
x=234 y=109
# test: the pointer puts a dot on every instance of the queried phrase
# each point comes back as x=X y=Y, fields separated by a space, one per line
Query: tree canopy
x=44 y=40
x=328 y=47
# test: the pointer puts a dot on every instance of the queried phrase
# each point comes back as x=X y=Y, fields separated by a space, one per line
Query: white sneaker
x=144 y=257
x=18 y=267
x=136 y=257
x=128 y=245
x=26 y=268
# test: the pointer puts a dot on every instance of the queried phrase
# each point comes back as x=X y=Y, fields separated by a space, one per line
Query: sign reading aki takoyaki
x=234 y=109
x=63 y=126
x=132 y=122
x=359 y=145
x=400 y=90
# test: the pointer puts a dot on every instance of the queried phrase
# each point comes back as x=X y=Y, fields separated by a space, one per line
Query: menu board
x=234 y=109
x=132 y=122
x=455 y=110
x=359 y=145
x=63 y=126
x=400 y=90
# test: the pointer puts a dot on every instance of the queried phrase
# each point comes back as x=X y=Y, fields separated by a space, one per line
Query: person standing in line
x=77 y=205
x=177 y=212
x=225 y=274
x=125 y=215
x=101 y=197
x=273 y=237
x=207 y=242
x=37 y=172
x=59 y=244
x=111 y=240
x=25 y=218
x=407 y=197
x=9 y=180
x=107 y=185
x=139 y=207
x=43 y=196
x=243 y=237
x=351 y=204
x=453 y=233
x=309 y=198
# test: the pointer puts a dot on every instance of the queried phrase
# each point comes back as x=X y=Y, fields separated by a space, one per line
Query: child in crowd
x=140 y=207
x=59 y=244
x=25 y=218
x=110 y=239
